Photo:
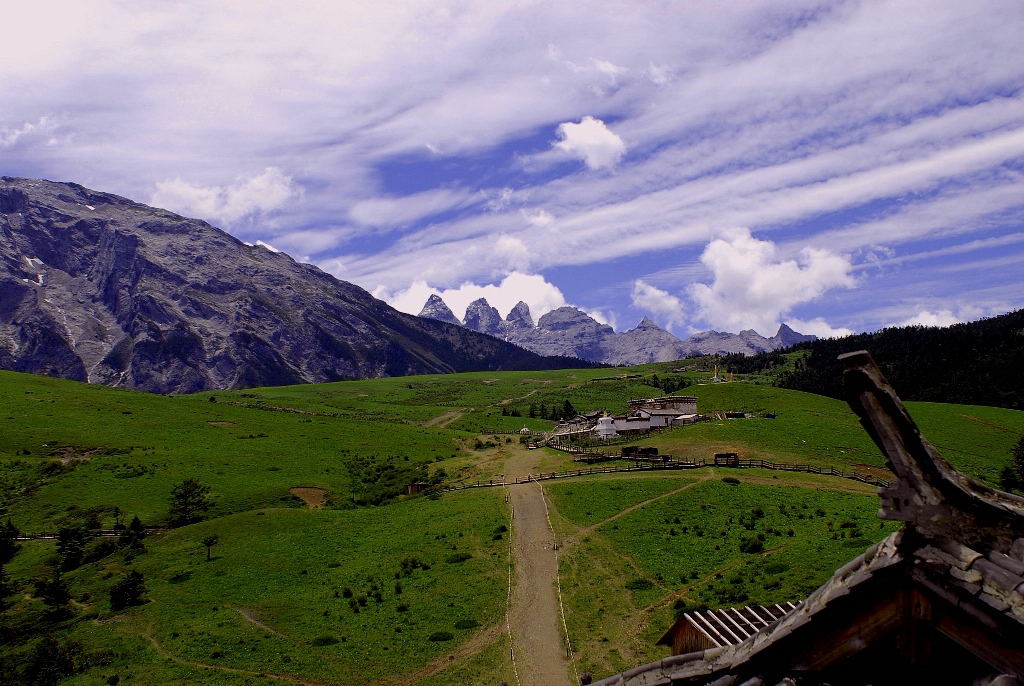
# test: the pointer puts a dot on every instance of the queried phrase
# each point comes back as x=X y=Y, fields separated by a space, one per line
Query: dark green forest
x=977 y=363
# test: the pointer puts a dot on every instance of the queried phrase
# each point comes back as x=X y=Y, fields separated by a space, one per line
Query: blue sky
x=840 y=166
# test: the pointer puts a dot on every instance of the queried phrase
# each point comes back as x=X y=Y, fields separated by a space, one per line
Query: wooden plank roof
x=731 y=626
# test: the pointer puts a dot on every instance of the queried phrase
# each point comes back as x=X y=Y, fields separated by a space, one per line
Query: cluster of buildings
x=643 y=415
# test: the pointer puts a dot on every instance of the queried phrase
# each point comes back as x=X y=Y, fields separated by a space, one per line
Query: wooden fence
x=663 y=465
x=101 y=533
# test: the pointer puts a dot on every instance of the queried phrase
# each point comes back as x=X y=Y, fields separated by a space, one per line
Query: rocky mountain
x=436 y=308
x=480 y=316
x=95 y=287
x=648 y=342
x=570 y=331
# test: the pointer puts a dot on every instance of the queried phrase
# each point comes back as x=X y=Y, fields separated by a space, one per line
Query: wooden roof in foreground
x=940 y=601
x=731 y=626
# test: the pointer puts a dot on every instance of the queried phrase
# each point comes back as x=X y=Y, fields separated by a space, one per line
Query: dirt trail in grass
x=534 y=616
x=994 y=425
x=474 y=645
x=163 y=652
x=506 y=401
x=250 y=616
x=442 y=421
x=313 y=496
x=584 y=531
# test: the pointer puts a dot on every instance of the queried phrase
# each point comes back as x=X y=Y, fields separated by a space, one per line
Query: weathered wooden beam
x=934 y=498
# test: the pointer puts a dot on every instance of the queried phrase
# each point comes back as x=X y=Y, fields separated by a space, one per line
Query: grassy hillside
x=627 y=570
x=815 y=429
x=274 y=601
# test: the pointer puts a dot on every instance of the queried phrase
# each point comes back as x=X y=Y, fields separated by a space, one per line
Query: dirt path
x=587 y=530
x=474 y=645
x=506 y=401
x=313 y=496
x=535 y=619
x=443 y=420
x=250 y=616
x=163 y=652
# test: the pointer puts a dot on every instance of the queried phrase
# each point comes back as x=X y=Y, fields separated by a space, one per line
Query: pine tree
x=533 y=411
x=6 y=588
x=1018 y=460
x=133 y=534
x=8 y=541
x=189 y=500
x=54 y=594
x=128 y=591
x=71 y=542
x=568 y=411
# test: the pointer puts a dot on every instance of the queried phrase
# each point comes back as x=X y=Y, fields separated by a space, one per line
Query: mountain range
x=95 y=287
x=571 y=332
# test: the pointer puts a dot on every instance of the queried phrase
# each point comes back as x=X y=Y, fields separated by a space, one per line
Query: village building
x=941 y=601
x=644 y=415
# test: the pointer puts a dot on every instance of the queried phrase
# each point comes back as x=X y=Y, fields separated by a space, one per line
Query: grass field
x=711 y=544
x=323 y=595
x=71 y=453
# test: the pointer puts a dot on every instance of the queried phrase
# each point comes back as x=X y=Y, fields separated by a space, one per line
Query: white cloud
x=44 y=126
x=533 y=289
x=591 y=141
x=817 y=327
x=513 y=251
x=665 y=306
x=397 y=211
x=539 y=217
x=609 y=68
x=603 y=316
x=959 y=313
x=260 y=194
x=753 y=288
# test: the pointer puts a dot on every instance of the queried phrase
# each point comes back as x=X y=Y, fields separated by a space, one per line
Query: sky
x=837 y=165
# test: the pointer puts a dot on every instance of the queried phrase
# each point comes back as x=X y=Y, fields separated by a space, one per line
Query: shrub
x=128 y=591
x=640 y=585
x=751 y=544
x=321 y=641
x=731 y=480
x=467 y=624
x=456 y=558
x=441 y=636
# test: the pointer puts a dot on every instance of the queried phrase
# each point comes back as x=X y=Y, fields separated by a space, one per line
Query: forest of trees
x=978 y=363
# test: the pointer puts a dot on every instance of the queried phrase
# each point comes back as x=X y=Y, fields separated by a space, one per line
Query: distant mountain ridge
x=572 y=332
x=95 y=287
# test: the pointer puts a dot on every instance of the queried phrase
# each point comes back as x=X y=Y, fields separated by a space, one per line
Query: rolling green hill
x=376 y=584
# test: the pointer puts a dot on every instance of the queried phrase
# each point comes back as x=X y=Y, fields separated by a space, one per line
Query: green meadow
x=701 y=544
x=376 y=586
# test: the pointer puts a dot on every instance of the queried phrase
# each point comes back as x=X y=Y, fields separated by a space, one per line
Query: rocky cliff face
x=648 y=342
x=436 y=308
x=569 y=331
x=94 y=287
x=480 y=316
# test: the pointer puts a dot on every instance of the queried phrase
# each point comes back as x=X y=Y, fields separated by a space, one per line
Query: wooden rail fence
x=661 y=465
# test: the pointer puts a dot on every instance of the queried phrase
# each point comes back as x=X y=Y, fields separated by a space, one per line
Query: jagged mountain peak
x=787 y=336
x=519 y=317
x=480 y=316
x=437 y=308
x=648 y=323
x=567 y=316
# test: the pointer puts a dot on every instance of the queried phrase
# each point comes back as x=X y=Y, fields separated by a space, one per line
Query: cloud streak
x=455 y=142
